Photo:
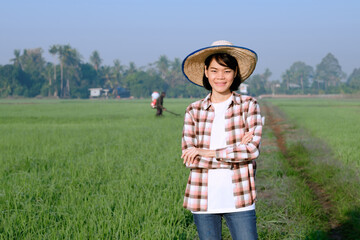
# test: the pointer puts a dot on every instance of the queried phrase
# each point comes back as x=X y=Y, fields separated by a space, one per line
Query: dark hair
x=226 y=60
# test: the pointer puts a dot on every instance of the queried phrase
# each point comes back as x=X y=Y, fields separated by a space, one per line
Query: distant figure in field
x=159 y=104
x=154 y=96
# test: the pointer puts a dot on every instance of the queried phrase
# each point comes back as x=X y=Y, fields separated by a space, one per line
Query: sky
x=281 y=32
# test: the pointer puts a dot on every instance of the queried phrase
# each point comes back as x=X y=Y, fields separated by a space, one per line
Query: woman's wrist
x=208 y=153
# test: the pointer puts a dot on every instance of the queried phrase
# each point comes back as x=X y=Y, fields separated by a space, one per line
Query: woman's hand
x=190 y=155
x=247 y=138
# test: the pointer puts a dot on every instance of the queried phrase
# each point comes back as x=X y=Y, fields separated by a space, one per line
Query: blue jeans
x=242 y=225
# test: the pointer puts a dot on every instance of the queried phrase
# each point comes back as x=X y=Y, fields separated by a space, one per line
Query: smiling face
x=220 y=77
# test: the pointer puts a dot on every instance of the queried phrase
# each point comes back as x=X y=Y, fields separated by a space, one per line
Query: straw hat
x=193 y=64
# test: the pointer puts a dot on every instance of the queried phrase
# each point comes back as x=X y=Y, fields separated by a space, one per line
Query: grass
x=317 y=148
x=81 y=169
x=89 y=169
x=332 y=120
x=287 y=208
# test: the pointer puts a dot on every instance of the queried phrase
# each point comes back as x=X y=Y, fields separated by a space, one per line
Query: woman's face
x=220 y=77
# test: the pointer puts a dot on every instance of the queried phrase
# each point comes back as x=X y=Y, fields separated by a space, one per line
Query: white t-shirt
x=220 y=188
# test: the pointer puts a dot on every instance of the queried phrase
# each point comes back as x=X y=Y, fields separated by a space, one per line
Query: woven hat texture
x=193 y=64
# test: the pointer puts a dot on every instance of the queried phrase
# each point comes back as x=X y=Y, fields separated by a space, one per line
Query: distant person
x=221 y=139
x=159 y=104
x=154 y=96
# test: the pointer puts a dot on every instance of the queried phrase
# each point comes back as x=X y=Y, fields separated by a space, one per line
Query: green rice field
x=107 y=169
x=324 y=148
x=82 y=169
x=336 y=121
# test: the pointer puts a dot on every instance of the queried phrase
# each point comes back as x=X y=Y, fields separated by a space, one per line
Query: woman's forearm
x=207 y=153
x=190 y=154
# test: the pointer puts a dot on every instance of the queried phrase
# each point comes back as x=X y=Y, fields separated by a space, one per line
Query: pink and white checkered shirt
x=242 y=115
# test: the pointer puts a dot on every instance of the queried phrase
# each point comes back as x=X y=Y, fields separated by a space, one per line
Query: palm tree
x=60 y=51
x=71 y=59
x=132 y=68
x=108 y=76
x=118 y=71
x=95 y=60
x=17 y=59
x=163 y=66
x=176 y=73
x=47 y=74
x=286 y=78
x=53 y=51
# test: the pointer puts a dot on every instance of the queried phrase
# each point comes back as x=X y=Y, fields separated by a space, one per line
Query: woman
x=221 y=139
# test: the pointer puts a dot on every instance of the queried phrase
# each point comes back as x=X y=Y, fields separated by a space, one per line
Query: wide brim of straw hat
x=193 y=65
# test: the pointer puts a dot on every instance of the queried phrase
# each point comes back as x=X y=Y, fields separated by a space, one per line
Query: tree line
x=68 y=76
x=326 y=78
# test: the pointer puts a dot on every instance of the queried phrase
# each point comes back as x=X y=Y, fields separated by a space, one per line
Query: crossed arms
x=246 y=148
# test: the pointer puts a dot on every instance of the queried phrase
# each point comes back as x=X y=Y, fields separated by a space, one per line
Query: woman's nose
x=221 y=75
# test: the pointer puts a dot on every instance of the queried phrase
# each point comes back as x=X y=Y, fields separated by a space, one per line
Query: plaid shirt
x=242 y=115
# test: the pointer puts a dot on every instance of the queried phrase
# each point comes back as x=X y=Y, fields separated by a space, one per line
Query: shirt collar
x=236 y=99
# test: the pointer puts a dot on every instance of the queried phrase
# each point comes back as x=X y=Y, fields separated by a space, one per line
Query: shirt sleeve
x=245 y=152
x=189 y=140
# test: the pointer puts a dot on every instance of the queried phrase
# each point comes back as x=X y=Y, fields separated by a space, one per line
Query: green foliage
x=89 y=79
x=141 y=84
x=354 y=79
x=14 y=81
x=328 y=72
x=187 y=91
x=297 y=78
x=70 y=77
x=259 y=83
x=95 y=60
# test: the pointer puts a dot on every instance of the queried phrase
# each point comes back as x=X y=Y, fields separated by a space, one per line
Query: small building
x=95 y=92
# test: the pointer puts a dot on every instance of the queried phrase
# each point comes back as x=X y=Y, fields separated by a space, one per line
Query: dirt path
x=280 y=128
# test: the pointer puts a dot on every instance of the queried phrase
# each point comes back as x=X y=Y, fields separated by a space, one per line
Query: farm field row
x=322 y=141
x=335 y=121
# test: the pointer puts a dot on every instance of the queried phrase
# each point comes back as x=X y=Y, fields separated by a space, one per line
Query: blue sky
x=281 y=32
